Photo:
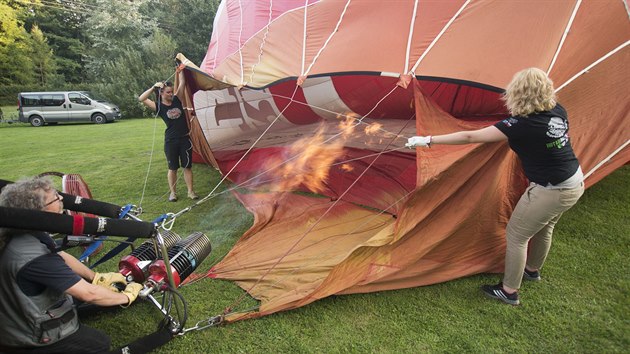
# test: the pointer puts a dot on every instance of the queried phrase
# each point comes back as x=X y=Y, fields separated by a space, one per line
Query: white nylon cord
x=564 y=35
x=240 y=45
x=412 y=25
x=328 y=39
x=592 y=65
x=578 y=75
x=415 y=67
x=358 y=121
x=601 y=163
x=218 y=28
x=311 y=227
x=212 y=195
x=304 y=36
x=247 y=152
x=264 y=40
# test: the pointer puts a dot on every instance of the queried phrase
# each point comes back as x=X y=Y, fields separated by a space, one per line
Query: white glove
x=159 y=85
x=422 y=141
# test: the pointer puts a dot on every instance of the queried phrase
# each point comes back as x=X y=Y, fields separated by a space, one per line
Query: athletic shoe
x=172 y=197
x=533 y=276
x=192 y=196
x=497 y=292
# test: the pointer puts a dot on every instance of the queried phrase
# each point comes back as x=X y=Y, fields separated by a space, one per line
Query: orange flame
x=308 y=164
x=373 y=128
x=347 y=167
x=348 y=124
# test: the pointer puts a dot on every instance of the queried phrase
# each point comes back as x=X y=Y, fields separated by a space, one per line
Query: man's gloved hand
x=107 y=280
x=159 y=85
x=422 y=141
x=132 y=291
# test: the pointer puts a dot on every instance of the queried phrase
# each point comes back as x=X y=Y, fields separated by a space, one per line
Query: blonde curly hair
x=530 y=91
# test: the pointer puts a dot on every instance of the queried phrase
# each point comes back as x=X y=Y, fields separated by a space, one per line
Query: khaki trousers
x=534 y=218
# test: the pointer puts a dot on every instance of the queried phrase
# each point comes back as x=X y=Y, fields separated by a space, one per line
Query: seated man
x=38 y=283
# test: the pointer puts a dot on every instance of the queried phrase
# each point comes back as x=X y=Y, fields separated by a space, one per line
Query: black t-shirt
x=175 y=119
x=47 y=271
x=541 y=141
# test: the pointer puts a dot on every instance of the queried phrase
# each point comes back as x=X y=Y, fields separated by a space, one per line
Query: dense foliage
x=115 y=48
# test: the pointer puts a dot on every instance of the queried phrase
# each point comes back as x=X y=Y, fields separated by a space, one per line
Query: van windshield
x=93 y=96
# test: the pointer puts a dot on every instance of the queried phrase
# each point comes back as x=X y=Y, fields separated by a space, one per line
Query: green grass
x=582 y=305
x=10 y=113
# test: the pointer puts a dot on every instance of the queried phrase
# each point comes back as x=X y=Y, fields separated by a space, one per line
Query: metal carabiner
x=167 y=223
x=210 y=322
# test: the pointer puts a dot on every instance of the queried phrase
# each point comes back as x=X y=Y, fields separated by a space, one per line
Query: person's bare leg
x=172 y=184
x=188 y=177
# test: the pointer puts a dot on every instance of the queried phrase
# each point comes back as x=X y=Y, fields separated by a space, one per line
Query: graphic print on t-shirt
x=510 y=121
x=173 y=113
x=557 y=128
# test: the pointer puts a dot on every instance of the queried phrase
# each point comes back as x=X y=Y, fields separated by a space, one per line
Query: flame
x=307 y=163
x=373 y=128
x=348 y=124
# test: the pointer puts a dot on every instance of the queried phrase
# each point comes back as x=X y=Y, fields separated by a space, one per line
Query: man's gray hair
x=25 y=194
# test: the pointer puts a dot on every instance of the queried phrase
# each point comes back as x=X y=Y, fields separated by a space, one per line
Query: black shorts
x=178 y=153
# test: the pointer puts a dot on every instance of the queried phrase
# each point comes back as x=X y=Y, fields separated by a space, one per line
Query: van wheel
x=36 y=121
x=99 y=118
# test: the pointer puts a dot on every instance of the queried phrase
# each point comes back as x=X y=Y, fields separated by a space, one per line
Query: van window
x=53 y=100
x=78 y=98
x=31 y=101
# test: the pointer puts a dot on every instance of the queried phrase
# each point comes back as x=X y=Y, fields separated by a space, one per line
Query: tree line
x=115 y=48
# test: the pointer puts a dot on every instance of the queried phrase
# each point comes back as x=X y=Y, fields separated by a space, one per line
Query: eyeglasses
x=57 y=198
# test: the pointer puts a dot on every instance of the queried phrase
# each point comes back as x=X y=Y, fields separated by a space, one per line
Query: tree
x=119 y=29
x=45 y=67
x=192 y=32
x=129 y=52
x=63 y=22
x=125 y=78
x=17 y=66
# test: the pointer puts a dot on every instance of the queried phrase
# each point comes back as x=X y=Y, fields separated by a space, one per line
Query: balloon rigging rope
x=314 y=107
x=280 y=178
x=295 y=269
x=263 y=42
x=437 y=38
x=207 y=197
x=240 y=40
x=310 y=228
x=244 y=183
x=211 y=194
x=325 y=45
x=608 y=158
x=357 y=122
x=597 y=62
x=564 y=35
x=412 y=24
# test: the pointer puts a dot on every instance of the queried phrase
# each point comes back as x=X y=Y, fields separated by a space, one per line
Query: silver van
x=39 y=108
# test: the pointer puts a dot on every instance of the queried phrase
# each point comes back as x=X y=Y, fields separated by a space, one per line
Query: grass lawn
x=582 y=305
x=9 y=113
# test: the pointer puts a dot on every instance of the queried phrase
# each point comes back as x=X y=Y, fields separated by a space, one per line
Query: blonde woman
x=538 y=132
